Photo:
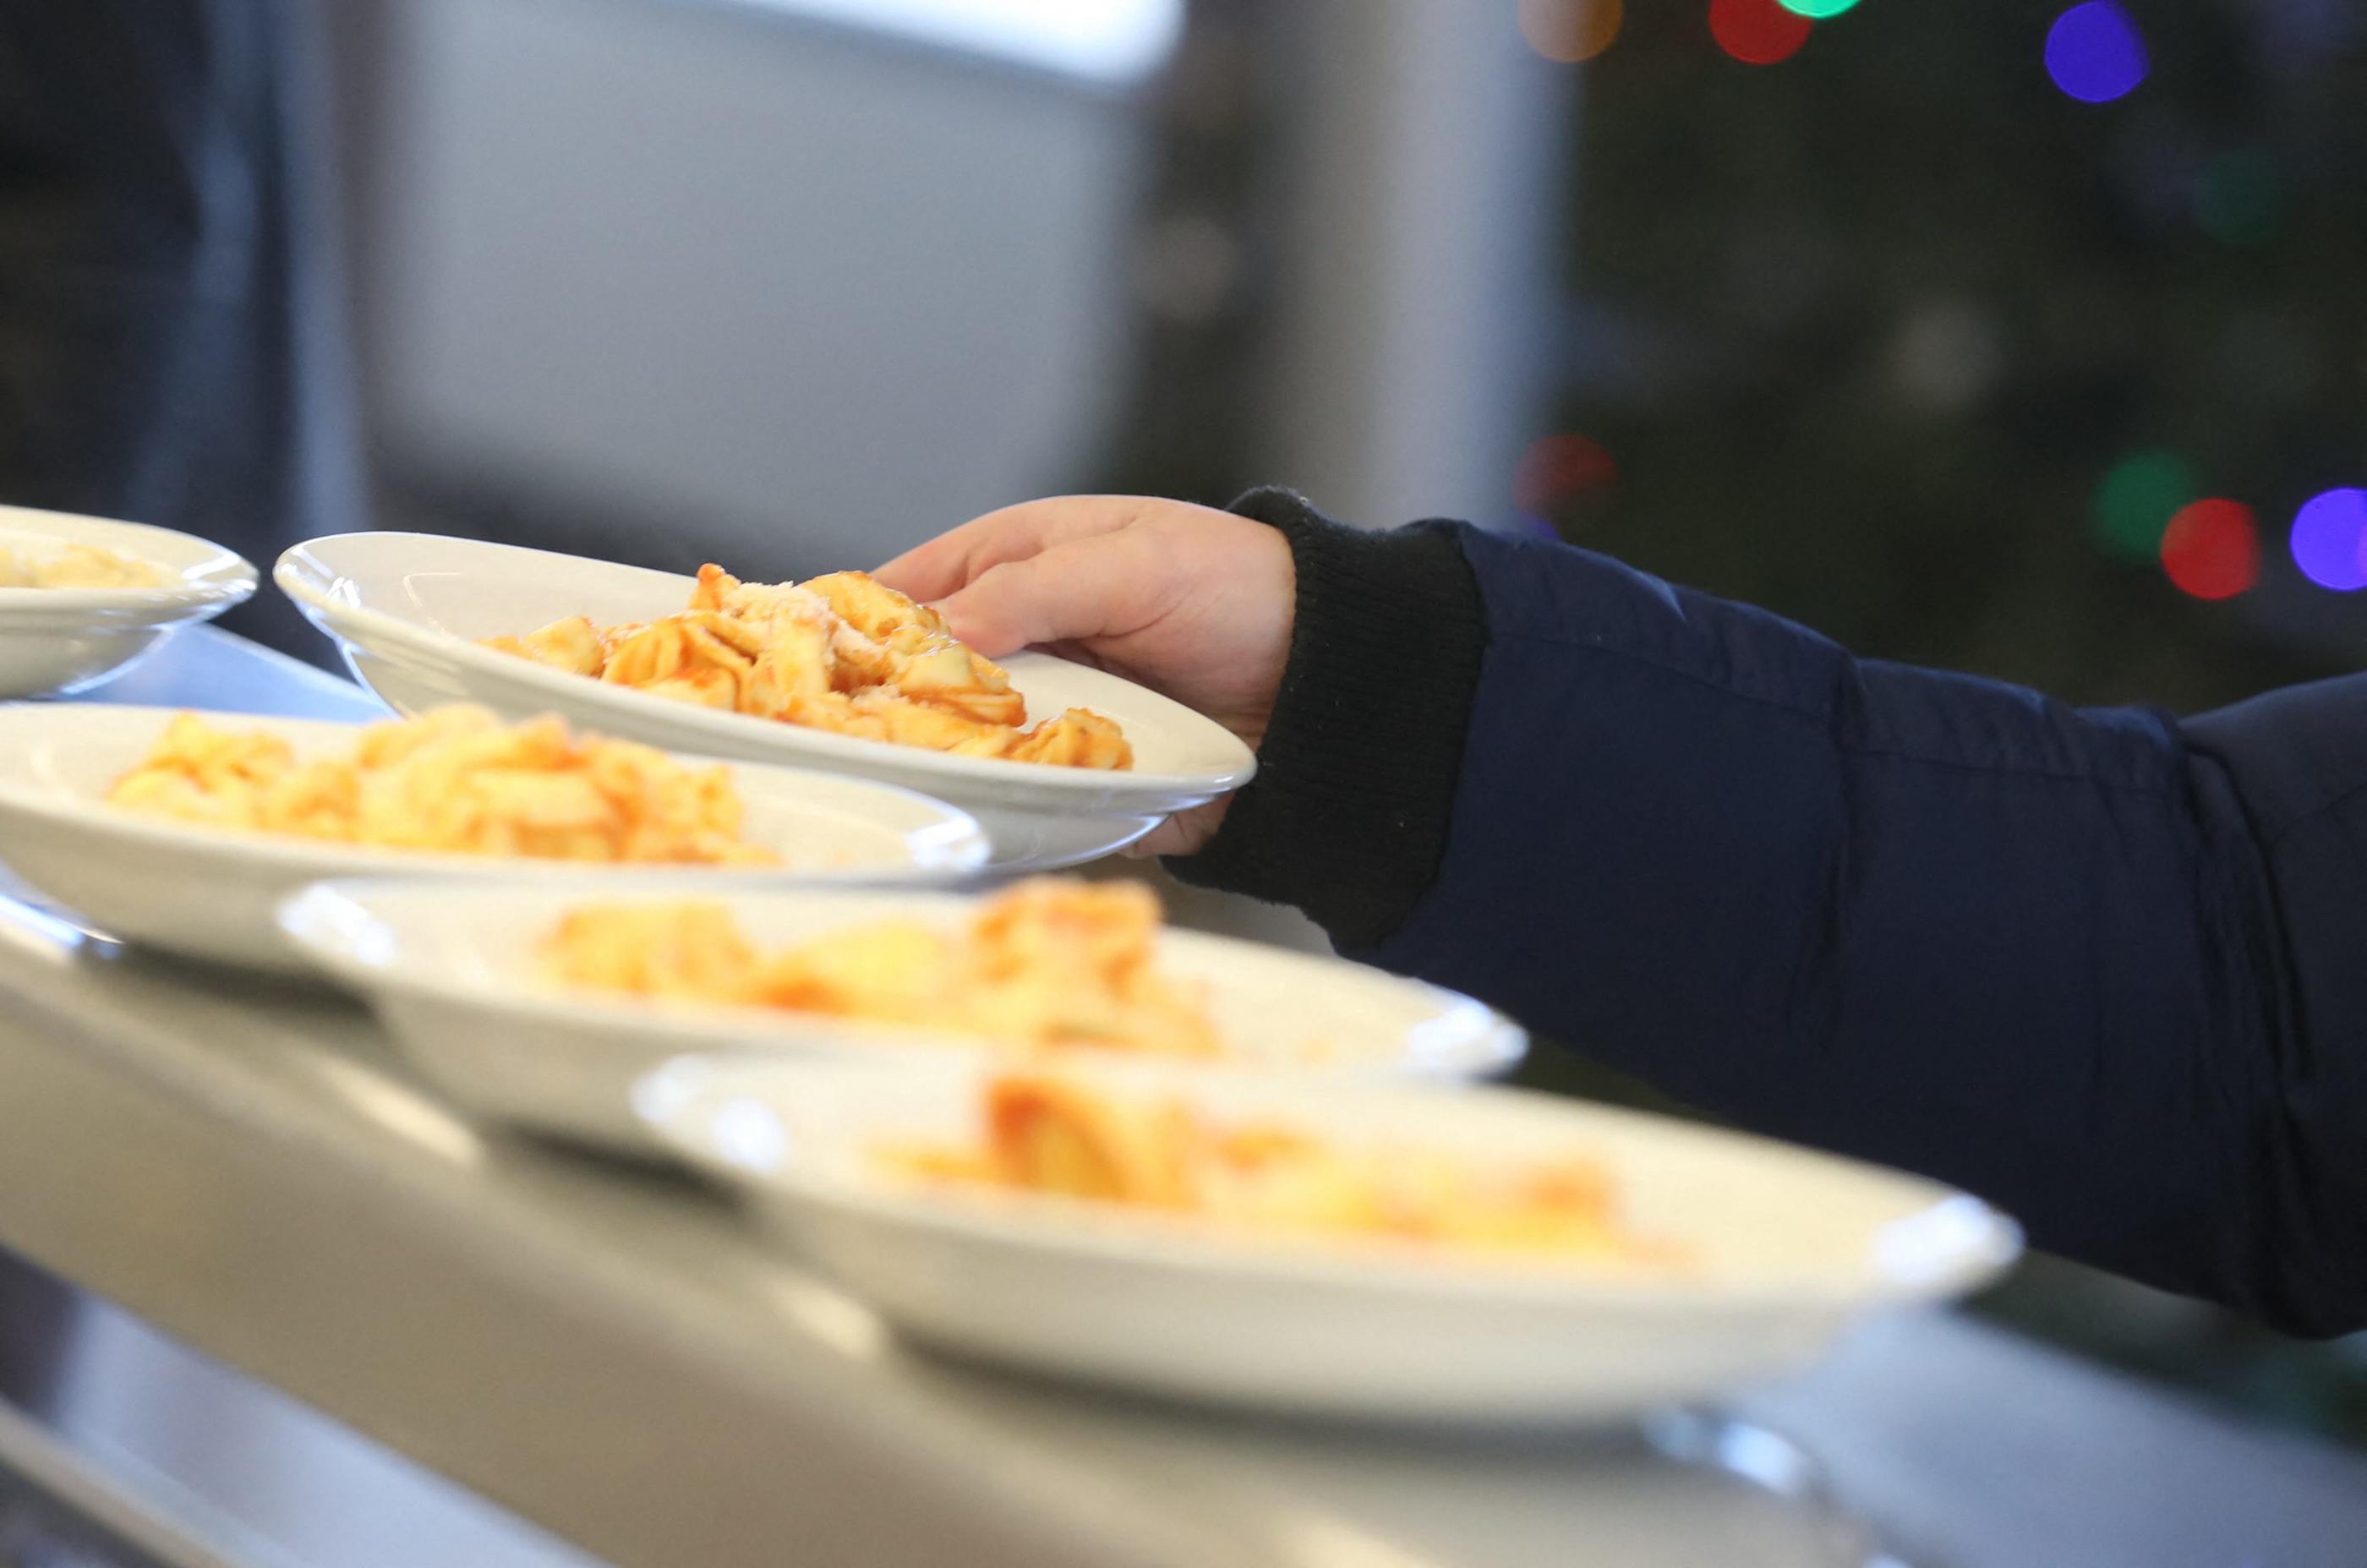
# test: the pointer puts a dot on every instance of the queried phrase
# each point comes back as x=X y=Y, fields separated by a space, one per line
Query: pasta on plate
x=1047 y=965
x=79 y=566
x=458 y=780
x=1268 y=1178
x=841 y=653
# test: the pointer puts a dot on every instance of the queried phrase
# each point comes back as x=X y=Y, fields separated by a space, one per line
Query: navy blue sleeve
x=2103 y=968
x=2099 y=967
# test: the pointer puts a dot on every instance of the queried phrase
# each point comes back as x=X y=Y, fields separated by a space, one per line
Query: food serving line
x=617 y=1353
x=247 y=1166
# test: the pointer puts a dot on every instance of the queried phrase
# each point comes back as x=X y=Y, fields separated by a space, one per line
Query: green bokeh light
x=2240 y=201
x=2135 y=501
x=1817 y=10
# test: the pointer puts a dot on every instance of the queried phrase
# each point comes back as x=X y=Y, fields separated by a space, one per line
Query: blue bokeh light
x=2095 y=53
x=2329 y=539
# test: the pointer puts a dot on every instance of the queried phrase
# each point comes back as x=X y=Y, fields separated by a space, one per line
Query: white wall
x=717 y=265
x=775 y=280
x=1424 y=315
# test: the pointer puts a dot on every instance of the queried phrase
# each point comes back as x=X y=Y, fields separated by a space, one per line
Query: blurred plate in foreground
x=455 y=974
x=1780 y=1247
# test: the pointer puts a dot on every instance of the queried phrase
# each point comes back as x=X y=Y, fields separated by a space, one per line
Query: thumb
x=1078 y=591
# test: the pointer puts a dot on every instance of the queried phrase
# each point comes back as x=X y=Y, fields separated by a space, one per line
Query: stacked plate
x=1779 y=1248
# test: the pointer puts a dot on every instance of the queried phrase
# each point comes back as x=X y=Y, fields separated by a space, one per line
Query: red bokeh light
x=1757 y=32
x=1558 y=470
x=2212 y=549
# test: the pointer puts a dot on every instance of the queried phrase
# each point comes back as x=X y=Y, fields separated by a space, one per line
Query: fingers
x=1185 y=833
x=1172 y=837
x=1101 y=586
x=957 y=558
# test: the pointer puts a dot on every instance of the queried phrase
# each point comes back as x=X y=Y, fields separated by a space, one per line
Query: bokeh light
x=2238 y=200
x=2135 y=500
x=2095 y=53
x=1570 y=30
x=1557 y=470
x=1757 y=32
x=2329 y=539
x=2212 y=549
x=1817 y=10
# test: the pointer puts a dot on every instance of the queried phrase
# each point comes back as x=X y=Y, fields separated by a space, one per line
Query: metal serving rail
x=611 y=1354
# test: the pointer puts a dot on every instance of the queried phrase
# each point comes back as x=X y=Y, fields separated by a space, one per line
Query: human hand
x=1187 y=600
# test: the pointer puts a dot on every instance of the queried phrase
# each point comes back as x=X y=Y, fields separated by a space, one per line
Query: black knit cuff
x=1347 y=816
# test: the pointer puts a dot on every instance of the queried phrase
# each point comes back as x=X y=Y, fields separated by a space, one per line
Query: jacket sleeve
x=2100 y=967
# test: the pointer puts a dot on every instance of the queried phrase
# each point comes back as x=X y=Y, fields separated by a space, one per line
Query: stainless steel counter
x=611 y=1354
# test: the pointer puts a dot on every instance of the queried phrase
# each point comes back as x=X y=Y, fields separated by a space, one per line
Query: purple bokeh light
x=2329 y=539
x=2095 y=53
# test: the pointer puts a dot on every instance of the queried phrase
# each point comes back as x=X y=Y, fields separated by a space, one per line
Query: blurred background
x=2015 y=335
x=804 y=283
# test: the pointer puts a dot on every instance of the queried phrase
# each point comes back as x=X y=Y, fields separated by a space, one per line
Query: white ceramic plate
x=452 y=972
x=214 y=895
x=1787 y=1246
x=59 y=640
x=407 y=610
